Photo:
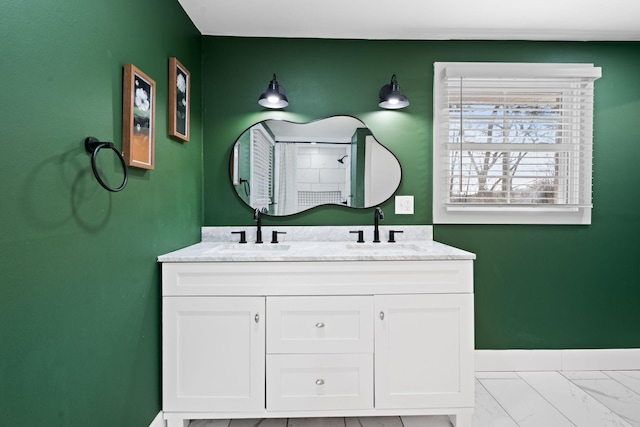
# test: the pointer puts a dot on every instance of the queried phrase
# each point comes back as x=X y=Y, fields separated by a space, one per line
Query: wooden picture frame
x=179 y=100
x=138 y=118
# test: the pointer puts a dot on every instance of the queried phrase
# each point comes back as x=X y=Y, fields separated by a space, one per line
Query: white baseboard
x=157 y=421
x=557 y=360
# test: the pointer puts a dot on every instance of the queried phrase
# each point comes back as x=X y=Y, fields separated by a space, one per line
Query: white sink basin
x=382 y=247
x=249 y=248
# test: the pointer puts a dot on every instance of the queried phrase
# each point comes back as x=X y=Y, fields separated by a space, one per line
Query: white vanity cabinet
x=317 y=339
x=213 y=353
x=424 y=351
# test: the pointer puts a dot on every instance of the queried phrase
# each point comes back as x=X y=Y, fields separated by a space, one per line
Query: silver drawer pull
x=382 y=315
x=257 y=318
x=319 y=325
x=320 y=382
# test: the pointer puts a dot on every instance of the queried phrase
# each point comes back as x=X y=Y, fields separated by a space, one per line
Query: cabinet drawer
x=319 y=382
x=320 y=324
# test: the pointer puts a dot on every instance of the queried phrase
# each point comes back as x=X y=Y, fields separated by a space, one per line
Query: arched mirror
x=283 y=168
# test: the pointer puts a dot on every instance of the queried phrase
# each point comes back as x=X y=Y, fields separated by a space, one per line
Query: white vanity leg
x=177 y=423
x=461 y=420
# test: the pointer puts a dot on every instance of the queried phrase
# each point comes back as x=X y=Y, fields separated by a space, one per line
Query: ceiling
x=336 y=129
x=580 y=20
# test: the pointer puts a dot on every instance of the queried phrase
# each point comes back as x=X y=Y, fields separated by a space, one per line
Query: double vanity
x=317 y=325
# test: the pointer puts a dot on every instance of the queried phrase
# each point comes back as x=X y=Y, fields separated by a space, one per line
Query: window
x=512 y=143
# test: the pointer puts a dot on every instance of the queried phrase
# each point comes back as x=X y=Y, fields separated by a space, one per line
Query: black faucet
x=274 y=235
x=392 y=235
x=378 y=215
x=360 y=235
x=257 y=217
x=243 y=236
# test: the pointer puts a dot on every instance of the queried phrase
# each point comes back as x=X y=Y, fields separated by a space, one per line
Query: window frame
x=498 y=213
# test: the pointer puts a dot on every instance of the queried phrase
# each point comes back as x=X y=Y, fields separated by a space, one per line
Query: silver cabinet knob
x=319 y=325
x=257 y=318
x=320 y=382
x=382 y=315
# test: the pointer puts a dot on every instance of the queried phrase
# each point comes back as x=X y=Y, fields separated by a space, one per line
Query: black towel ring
x=92 y=145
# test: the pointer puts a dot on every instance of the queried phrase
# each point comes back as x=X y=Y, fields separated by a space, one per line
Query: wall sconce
x=390 y=96
x=274 y=97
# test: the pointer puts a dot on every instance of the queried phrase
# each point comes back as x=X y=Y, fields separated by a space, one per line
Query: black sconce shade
x=390 y=96
x=274 y=97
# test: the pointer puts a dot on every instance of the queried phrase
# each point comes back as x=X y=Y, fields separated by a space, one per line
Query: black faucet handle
x=360 y=235
x=392 y=235
x=243 y=236
x=274 y=235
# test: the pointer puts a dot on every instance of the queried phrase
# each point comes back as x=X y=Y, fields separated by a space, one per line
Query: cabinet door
x=213 y=353
x=424 y=351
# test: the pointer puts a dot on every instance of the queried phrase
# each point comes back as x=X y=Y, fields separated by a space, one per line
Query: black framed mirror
x=283 y=167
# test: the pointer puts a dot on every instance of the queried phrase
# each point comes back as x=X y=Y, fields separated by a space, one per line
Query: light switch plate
x=404 y=205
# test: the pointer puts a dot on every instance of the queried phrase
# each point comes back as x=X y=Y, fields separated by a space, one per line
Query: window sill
x=512 y=215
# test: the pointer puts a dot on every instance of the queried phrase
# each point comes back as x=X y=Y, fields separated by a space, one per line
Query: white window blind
x=261 y=168
x=513 y=142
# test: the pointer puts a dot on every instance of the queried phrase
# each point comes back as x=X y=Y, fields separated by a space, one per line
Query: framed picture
x=179 y=99
x=138 y=118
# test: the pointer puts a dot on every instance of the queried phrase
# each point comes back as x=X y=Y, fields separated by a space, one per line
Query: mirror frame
x=234 y=168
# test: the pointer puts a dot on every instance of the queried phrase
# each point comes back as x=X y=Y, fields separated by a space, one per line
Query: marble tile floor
x=512 y=399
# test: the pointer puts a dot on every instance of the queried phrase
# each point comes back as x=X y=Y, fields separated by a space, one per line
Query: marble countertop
x=319 y=243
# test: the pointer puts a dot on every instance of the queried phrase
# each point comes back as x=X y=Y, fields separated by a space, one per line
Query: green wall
x=79 y=282
x=79 y=285
x=536 y=286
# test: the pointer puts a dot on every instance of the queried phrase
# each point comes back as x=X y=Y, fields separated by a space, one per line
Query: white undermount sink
x=249 y=248
x=383 y=247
